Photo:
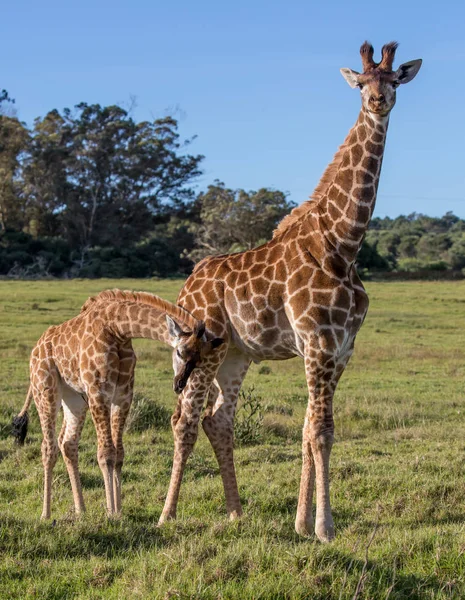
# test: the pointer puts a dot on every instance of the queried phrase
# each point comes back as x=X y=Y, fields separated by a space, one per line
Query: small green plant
x=145 y=414
x=264 y=370
x=248 y=428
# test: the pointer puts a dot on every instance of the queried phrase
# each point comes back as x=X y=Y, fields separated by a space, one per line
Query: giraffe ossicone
x=88 y=363
x=297 y=295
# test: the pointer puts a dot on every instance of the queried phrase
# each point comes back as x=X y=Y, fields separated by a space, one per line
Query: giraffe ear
x=211 y=345
x=407 y=71
x=173 y=329
x=200 y=329
x=351 y=77
x=217 y=342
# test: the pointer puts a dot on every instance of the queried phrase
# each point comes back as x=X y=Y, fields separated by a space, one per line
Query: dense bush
x=414 y=244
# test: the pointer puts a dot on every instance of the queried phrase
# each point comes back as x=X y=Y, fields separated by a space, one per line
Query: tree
x=433 y=246
x=5 y=101
x=369 y=259
x=234 y=220
x=13 y=143
x=385 y=243
x=47 y=187
x=99 y=178
x=457 y=253
x=407 y=247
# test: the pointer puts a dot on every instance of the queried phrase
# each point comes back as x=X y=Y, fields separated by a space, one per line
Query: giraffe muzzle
x=179 y=385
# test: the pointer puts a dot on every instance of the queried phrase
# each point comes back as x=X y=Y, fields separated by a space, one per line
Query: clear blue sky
x=258 y=82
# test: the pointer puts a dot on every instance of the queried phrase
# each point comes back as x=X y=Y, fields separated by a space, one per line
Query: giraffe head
x=190 y=347
x=378 y=82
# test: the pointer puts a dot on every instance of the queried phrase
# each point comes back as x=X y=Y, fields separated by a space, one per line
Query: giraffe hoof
x=162 y=520
x=234 y=515
x=324 y=531
x=304 y=528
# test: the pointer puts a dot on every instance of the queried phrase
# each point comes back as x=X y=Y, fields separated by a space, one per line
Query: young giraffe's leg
x=218 y=423
x=119 y=412
x=47 y=402
x=74 y=415
x=184 y=423
x=323 y=372
x=101 y=387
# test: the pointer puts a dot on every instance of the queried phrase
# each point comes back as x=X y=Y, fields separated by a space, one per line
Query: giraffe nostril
x=381 y=98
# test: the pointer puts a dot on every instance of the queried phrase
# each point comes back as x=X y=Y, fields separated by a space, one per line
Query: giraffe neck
x=133 y=320
x=347 y=203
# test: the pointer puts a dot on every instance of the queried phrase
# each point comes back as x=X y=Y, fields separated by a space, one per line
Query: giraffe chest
x=278 y=324
x=340 y=311
x=334 y=311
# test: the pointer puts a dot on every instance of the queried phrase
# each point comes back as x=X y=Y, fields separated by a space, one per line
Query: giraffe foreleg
x=119 y=413
x=185 y=422
x=304 y=523
x=100 y=396
x=323 y=372
x=74 y=415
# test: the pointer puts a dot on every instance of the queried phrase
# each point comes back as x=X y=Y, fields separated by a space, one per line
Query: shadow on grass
x=74 y=538
x=4 y=454
x=137 y=533
x=91 y=481
x=376 y=578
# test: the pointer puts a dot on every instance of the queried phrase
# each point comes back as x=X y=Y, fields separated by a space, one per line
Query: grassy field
x=398 y=487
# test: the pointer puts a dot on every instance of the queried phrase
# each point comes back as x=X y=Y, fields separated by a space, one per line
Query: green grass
x=397 y=470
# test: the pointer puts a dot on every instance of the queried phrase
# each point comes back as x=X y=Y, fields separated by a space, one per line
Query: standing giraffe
x=89 y=362
x=297 y=295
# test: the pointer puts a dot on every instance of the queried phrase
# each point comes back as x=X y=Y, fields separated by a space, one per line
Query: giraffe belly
x=72 y=381
x=269 y=337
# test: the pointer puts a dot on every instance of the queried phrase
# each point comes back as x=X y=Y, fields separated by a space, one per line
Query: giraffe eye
x=360 y=86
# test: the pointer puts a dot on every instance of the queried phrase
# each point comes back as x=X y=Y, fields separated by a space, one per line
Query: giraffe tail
x=21 y=421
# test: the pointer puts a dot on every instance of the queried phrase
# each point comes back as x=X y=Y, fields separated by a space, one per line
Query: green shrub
x=248 y=427
x=415 y=264
x=146 y=414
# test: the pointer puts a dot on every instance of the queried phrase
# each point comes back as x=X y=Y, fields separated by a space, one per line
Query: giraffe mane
x=179 y=314
x=326 y=179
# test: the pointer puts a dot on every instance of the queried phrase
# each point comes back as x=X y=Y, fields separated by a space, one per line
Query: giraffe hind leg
x=119 y=412
x=74 y=411
x=47 y=402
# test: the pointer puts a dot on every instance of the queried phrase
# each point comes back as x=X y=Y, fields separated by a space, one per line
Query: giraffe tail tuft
x=21 y=421
x=19 y=428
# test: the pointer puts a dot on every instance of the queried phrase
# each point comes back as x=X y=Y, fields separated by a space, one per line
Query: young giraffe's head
x=378 y=82
x=190 y=347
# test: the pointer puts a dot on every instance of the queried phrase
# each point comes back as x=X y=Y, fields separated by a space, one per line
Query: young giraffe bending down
x=89 y=362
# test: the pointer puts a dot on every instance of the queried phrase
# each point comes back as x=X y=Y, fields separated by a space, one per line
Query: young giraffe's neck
x=130 y=320
x=347 y=202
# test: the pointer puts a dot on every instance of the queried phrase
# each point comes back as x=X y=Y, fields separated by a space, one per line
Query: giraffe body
x=297 y=295
x=89 y=362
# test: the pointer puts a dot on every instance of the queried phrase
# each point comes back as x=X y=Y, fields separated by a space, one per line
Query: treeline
x=415 y=244
x=91 y=192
